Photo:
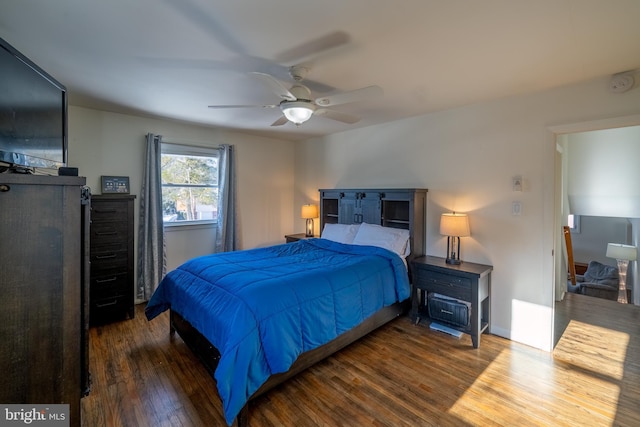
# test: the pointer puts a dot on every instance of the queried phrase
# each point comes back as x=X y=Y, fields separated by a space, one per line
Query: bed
x=257 y=317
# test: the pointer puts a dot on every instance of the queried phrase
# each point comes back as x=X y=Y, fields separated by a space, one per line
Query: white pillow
x=341 y=233
x=393 y=239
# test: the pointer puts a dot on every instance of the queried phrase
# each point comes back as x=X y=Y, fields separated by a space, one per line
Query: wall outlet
x=516 y=208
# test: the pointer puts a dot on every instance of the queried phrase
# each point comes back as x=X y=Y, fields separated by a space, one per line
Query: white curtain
x=226 y=233
x=152 y=262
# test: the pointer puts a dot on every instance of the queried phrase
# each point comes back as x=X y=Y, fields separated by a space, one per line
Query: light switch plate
x=517 y=183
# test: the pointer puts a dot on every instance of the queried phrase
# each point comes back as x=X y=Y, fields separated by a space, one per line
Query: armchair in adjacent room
x=600 y=280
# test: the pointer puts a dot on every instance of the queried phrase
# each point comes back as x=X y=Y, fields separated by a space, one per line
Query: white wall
x=604 y=173
x=104 y=143
x=467 y=157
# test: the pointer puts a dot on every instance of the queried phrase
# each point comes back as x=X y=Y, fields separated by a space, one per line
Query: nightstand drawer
x=455 y=287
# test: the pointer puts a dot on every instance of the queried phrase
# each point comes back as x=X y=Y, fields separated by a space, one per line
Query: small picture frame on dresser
x=115 y=184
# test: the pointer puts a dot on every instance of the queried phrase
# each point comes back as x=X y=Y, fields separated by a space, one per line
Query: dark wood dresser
x=112 y=272
x=41 y=283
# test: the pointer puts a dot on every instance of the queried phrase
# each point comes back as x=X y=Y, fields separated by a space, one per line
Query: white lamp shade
x=454 y=224
x=309 y=211
x=619 y=251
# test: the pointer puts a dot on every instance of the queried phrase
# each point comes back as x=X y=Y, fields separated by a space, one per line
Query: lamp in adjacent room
x=454 y=225
x=623 y=254
x=309 y=212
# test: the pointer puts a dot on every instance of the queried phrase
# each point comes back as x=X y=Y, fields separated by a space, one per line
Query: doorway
x=560 y=135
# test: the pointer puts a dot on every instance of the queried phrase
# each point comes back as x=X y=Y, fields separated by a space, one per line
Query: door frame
x=553 y=133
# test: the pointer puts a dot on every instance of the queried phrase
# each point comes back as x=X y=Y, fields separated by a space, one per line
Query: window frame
x=573 y=221
x=189 y=150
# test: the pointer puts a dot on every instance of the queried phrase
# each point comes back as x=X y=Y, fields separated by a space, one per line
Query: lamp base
x=453 y=243
x=309 y=228
x=623 y=264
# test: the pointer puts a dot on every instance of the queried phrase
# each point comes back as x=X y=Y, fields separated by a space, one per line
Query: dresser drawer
x=109 y=285
x=455 y=287
x=103 y=309
x=109 y=262
x=106 y=211
x=109 y=232
x=106 y=248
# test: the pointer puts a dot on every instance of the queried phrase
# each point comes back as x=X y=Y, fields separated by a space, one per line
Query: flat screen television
x=33 y=114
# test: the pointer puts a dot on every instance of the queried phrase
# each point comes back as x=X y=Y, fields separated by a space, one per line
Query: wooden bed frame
x=209 y=355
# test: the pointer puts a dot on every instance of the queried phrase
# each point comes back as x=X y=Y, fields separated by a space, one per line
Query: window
x=573 y=221
x=189 y=184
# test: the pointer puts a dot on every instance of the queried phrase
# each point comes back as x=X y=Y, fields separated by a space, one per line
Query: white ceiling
x=173 y=58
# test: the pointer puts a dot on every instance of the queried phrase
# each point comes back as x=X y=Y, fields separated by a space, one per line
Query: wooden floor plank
x=400 y=375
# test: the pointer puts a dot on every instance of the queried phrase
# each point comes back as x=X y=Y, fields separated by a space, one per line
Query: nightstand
x=468 y=284
x=290 y=238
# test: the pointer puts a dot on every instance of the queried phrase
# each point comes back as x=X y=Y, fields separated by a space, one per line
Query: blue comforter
x=262 y=308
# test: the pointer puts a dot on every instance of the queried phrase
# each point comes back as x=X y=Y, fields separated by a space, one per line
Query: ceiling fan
x=297 y=104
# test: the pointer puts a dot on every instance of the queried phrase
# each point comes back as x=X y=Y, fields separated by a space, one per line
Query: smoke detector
x=621 y=83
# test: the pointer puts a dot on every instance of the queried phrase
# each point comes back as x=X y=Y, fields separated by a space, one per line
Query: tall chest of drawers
x=112 y=274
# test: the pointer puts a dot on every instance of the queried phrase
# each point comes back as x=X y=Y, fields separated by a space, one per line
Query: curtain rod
x=190 y=143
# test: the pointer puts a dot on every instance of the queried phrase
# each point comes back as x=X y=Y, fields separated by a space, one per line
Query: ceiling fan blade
x=351 y=96
x=242 y=106
x=337 y=115
x=312 y=47
x=281 y=121
x=275 y=86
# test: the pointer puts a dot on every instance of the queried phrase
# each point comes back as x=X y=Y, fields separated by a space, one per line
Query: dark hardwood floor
x=400 y=375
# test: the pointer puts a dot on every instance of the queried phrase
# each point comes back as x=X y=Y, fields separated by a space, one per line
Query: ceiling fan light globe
x=297 y=112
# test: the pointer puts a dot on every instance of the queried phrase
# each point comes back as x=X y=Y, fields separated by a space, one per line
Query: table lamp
x=454 y=225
